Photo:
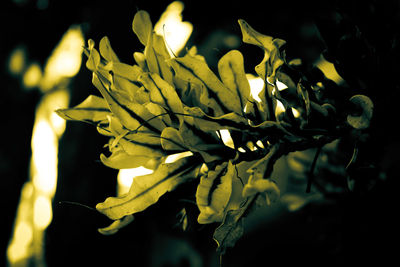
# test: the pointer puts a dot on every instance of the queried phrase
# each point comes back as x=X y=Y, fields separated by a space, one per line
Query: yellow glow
x=44 y=157
x=260 y=144
x=170 y=25
x=19 y=248
x=280 y=85
x=241 y=149
x=174 y=157
x=293 y=202
x=226 y=138
x=58 y=123
x=65 y=61
x=125 y=178
x=32 y=76
x=42 y=212
x=47 y=129
x=35 y=206
x=296 y=113
x=329 y=70
x=256 y=85
x=16 y=63
x=280 y=108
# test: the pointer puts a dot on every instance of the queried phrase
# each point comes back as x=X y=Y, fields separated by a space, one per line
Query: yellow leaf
x=146 y=190
x=228 y=101
x=142 y=26
x=106 y=51
x=93 y=109
x=116 y=225
x=231 y=71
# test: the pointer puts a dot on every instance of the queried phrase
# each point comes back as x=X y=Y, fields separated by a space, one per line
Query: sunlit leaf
x=213 y=193
x=171 y=140
x=231 y=71
x=119 y=159
x=208 y=123
x=131 y=115
x=162 y=57
x=142 y=26
x=106 y=51
x=228 y=101
x=140 y=59
x=151 y=56
x=93 y=60
x=116 y=225
x=147 y=189
x=162 y=93
x=193 y=91
x=207 y=144
x=93 y=109
x=272 y=58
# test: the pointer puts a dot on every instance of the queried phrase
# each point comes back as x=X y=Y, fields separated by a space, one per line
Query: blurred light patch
x=65 y=61
x=259 y=144
x=280 y=85
x=231 y=41
x=42 y=212
x=256 y=86
x=279 y=108
x=18 y=249
x=46 y=132
x=241 y=149
x=17 y=61
x=226 y=138
x=329 y=70
x=170 y=25
x=125 y=178
x=293 y=202
x=174 y=157
x=296 y=113
x=32 y=76
x=34 y=212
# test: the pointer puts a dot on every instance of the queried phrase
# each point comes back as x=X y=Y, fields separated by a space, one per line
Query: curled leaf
x=93 y=109
x=93 y=60
x=116 y=225
x=232 y=228
x=213 y=193
x=272 y=56
x=146 y=190
x=119 y=159
x=264 y=186
x=140 y=59
x=361 y=121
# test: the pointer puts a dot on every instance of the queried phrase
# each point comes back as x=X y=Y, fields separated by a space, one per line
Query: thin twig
x=311 y=173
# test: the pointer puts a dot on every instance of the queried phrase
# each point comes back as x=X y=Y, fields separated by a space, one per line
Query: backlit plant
x=168 y=105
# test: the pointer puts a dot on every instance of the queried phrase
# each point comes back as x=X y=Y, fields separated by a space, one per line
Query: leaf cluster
x=164 y=106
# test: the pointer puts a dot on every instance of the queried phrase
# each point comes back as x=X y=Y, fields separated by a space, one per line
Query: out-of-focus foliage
x=166 y=104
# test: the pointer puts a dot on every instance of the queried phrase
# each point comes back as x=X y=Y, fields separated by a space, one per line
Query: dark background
x=359 y=228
